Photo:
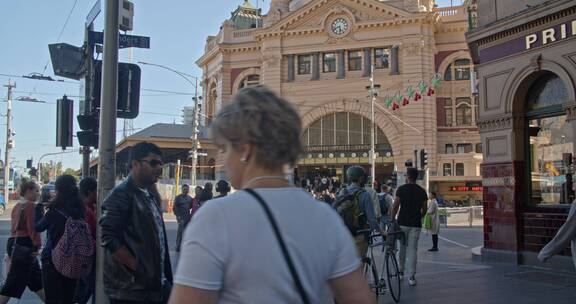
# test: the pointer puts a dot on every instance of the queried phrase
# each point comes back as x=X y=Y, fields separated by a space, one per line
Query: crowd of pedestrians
x=258 y=244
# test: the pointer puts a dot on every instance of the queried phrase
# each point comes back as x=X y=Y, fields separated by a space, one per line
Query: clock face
x=339 y=26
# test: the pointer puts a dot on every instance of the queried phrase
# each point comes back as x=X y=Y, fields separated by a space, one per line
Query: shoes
x=433 y=249
x=401 y=275
x=412 y=281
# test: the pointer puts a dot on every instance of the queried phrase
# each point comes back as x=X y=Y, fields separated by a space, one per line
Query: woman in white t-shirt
x=231 y=253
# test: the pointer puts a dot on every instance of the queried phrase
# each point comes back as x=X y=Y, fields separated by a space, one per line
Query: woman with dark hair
x=23 y=272
x=206 y=194
x=67 y=203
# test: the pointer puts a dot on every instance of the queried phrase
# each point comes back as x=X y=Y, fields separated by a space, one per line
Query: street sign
x=94 y=12
x=67 y=60
x=124 y=41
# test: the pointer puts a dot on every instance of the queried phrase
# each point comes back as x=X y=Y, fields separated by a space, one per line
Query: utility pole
x=107 y=140
x=195 y=138
x=88 y=92
x=9 y=142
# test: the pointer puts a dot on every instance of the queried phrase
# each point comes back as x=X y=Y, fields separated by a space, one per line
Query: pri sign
x=550 y=35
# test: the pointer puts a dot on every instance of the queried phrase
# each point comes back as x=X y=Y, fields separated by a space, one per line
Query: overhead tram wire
x=58 y=39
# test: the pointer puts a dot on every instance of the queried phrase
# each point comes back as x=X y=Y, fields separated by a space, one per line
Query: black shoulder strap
x=285 y=252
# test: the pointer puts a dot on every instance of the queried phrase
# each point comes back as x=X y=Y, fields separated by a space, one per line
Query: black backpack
x=347 y=205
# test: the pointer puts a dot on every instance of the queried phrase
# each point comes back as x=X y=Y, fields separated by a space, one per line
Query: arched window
x=463 y=112
x=548 y=139
x=249 y=80
x=459 y=69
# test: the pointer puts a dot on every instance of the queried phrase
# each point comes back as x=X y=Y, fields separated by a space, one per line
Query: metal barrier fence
x=462 y=216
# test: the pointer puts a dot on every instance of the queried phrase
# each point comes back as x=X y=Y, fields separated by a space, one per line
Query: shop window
x=459 y=169
x=449 y=149
x=329 y=62
x=549 y=137
x=478 y=148
x=447 y=169
x=304 y=64
x=355 y=60
x=381 y=58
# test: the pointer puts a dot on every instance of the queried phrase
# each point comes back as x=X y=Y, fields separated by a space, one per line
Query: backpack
x=384 y=206
x=347 y=205
x=73 y=256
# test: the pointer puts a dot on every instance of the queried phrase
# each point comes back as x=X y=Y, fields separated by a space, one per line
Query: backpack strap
x=61 y=213
x=285 y=252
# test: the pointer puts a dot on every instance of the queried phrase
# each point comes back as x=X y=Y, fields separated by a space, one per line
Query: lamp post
x=195 y=124
x=373 y=90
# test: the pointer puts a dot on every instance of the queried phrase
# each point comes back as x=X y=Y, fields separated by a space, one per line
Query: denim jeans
x=409 y=250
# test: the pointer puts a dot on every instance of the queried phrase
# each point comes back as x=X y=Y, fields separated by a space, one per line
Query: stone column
x=367 y=62
x=315 y=66
x=290 y=67
x=395 y=66
x=341 y=70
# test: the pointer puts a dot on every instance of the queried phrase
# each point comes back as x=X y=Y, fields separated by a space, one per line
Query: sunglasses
x=152 y=163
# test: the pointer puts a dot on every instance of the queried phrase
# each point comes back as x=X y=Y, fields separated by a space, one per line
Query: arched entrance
x=338 y=140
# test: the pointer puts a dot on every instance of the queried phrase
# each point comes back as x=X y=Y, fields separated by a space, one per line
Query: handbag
x=427 y=222
x=21 y=254
x=285 y=252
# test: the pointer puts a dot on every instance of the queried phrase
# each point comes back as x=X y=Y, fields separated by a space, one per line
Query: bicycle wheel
x=394 y=284
x=371 y=276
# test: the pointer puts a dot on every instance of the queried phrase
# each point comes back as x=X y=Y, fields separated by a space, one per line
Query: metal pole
x=107 y=144
x=372 y=126
x=88 y=82
x=10 y=86
x=194 y=138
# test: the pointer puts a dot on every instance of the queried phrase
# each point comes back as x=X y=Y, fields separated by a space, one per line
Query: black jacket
x=127 y=221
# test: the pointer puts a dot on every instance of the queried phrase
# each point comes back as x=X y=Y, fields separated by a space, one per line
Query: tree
x=49 y=171
x=70 y=171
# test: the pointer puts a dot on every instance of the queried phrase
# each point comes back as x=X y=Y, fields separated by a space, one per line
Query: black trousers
x=58 y=288
x=21 y=275
x=165 y=297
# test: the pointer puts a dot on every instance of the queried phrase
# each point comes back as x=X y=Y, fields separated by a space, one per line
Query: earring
x=244 y=160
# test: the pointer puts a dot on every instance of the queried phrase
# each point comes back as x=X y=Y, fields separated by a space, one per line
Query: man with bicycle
x=355 y=196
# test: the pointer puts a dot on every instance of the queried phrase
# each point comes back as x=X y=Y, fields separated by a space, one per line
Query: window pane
x=448 y=73
x=381 y=58
x=355 y=60
x=459 y=169
x=462 y=73
x=447 y=101
x=329 y=60
x=447 y=169
x=315 y=131
x=463 y=115
x=355 y=129
x=546 y=91
x=250 y=80
x=448 y=116
x=449 y=149
x=304 y=64
x=478 y=148
x=328 y=130
x=550 y=138
x=341 y=128
x=461 y=62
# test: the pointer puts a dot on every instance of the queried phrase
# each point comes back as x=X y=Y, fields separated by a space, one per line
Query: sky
x=177 y=29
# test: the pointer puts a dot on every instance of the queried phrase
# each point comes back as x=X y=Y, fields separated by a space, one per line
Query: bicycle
x=374 y=278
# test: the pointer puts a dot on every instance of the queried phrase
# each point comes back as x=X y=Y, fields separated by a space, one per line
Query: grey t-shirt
x=230 y=247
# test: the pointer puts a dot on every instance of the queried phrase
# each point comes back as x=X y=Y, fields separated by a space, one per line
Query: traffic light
x=88 y=137
x=29 y=164
x=128 y=89
x=423 y=158
x=33 y=171
x=64 y=127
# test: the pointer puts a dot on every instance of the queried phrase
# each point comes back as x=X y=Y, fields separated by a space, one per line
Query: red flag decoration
x=430 y=91
x=417 y=96
x=397 y=100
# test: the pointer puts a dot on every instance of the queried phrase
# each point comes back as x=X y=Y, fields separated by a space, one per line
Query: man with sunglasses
x=137 y=265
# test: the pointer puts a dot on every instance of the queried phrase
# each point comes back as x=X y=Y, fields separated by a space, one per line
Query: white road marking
x=453 y=242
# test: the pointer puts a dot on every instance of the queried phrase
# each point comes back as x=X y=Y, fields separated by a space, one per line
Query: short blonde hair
x=259 y=117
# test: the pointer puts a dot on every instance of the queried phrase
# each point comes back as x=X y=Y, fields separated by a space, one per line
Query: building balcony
x=452 y=13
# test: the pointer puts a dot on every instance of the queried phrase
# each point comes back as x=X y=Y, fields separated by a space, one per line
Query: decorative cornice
x=499 y=123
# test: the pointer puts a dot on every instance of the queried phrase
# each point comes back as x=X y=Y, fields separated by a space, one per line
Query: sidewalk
x=452 y=276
